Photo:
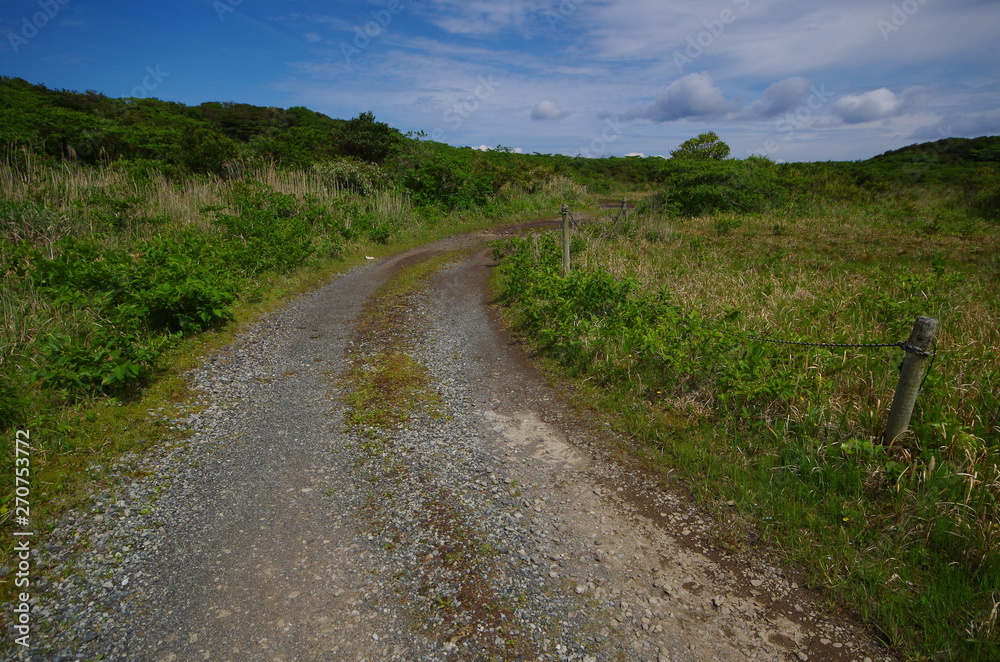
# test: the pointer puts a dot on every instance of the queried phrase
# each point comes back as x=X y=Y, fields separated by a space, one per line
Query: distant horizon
x=845 y=81
x=518 y=151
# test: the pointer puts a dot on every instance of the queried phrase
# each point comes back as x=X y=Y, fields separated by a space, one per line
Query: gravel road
x=490 y=527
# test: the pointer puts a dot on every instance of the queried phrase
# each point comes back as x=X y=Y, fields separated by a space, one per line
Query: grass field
x=656 y=321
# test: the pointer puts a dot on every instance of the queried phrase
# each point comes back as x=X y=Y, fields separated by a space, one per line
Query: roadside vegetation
x=137 y=234
x=657 y=321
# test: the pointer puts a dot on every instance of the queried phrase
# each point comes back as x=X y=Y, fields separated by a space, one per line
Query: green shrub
x=356 y=176
x=183 y=298
x=695 y=187
x=14 y=404
x=107 y=211
x=273 y=233
x=84 y=264
x=111 y=358
x=986 y=200
x=449 y=181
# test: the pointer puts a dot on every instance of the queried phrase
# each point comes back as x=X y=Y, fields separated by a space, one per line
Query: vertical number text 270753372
x=22 y=534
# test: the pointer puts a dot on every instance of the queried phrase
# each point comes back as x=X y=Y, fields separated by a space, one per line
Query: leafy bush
x=109 y=361
x=987 y=198
x=109 y=211
x=274 y=235
x=608 y=328
x=179 y=286
x=449 y=181
x=363 y=138
x=137 y=300
x=13 y=402
x=356 y=176
x=83 y=264
x=705 y=146
x=695 y=187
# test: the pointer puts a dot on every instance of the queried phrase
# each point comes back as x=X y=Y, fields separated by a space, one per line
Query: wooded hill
x=89 y=127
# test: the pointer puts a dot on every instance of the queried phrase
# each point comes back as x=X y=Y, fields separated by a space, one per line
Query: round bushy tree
x=705 y=146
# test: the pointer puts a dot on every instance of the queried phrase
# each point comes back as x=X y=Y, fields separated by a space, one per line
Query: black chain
x=903 y=345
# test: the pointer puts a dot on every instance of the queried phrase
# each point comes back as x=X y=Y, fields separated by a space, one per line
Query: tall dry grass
x=51 y=200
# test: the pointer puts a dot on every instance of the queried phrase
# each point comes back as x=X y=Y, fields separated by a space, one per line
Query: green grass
x=385 y=384
x=654 y=324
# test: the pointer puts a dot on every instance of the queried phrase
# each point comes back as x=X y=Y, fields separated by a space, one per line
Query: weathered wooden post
x=565 y=238
x=624 y=215
x=911 y=376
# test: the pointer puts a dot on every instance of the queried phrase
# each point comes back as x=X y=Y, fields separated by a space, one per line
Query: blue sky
x=795 y=80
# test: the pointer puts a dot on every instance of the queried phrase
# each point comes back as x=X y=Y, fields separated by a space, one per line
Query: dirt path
x=493 y=527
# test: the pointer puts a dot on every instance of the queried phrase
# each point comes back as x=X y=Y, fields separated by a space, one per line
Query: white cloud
x=781 y=97
x=547 y=110
x=691 y=96
x=878 y=104
x=961 y=125
x=784 y=95
x=819 y=80
x=875 y=105
x=776 y=38
x=696 y=96
x=482 y=17
x=313 y=37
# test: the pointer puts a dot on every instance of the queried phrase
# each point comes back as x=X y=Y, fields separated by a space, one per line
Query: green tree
x=365 y=139
x=705 y=146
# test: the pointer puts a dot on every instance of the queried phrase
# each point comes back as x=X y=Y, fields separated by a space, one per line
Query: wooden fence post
x=624 y=215
x=911 y=376
x=565 y=239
